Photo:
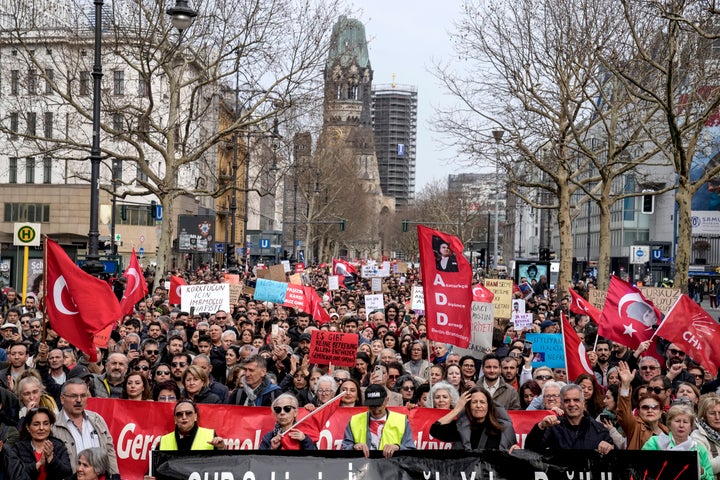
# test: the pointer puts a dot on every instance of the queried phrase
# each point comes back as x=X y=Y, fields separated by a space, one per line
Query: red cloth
x=78 y=304
x=175 y=284
x=582 y=307
x=575 y=354
x=136 y=288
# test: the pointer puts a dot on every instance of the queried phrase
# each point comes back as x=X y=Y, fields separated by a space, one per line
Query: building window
x=15 y=82
x=12 y=167
x=117 y=168
x=84 y=83
x=135 y=215
x=14 y=124
x=27 y=212
x=118 y=121
x=142 y=87
x=140 y=175
x=48 y=124
x=50 y=78
x=31 y=123
x=30 y=170
x=119 y=82
x=47 y=169
x=32 y=81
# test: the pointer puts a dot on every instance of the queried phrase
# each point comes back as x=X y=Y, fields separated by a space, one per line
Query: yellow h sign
x=27 y=235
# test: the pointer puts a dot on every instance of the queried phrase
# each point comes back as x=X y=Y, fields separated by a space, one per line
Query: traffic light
x=544 y=254
x=342 y=225
x=405 y=225
x=483 y=252
x=123 y=213
x=153 y=209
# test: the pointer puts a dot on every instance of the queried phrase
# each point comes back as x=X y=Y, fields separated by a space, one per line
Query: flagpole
x=427 y=343
x=320 y=408
x=44 y=292
x=563 y=320
x=666 y=317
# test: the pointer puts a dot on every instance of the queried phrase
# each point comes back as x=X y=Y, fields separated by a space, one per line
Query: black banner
x=426 y=465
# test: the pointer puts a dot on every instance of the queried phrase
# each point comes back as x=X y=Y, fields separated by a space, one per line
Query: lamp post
x=497 y=135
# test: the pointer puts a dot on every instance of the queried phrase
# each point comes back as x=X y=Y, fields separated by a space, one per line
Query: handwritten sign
x=333 y=347
x=232 y=278
x=333 y=282
x=374 y=302
x=663 y=298
x=295 y=279
x=286 y=265
x=597 y=298
x=483 y=318
x=522 y=321
x=503 y=296
x=547 y=349
x=270 y=291
x=205 y=298
x=295 y=296
x=418 y=299
x=277 y=273
x=236 y=290
x=377 y=285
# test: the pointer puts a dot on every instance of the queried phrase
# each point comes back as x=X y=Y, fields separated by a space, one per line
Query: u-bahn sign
x=26 y=234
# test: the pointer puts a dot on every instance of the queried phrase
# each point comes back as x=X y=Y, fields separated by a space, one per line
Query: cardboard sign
x=333 y=347
x=548 y=349
x=402 y=267
x=295 y=279
x=232 y=278
x=277 y=273
x=521 y=321
x=503 y=296
x=663 y=298
x=333 y=282
x=377 y=285
x=374 y=302
x=597 y=298
x=235 y=291
x=483 y=322
x=262 y=273
x=270 y=291
x=205 y=298
x=418 y=299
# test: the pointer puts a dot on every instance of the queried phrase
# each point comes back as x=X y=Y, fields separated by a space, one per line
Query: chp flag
x=447 y=287
x=78 y=304
x=689 y=326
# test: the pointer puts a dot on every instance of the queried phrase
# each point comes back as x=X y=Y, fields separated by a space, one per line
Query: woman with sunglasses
x=638 y=429
x=188 y=435
x=405 y=386
x=161 y=373
x=285 y=410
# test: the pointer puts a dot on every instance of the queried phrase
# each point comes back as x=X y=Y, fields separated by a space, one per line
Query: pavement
x=714 y=312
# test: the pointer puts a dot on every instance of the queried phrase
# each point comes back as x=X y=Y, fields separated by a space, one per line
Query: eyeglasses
x=152 y=352
x=220 y=318
x=551 y=396
x=515 y=354
x=648 y=367
x=144 y=368
x=252 y=313
x=286 y=409
x=178 y=364
x=76 y=396
x=393 y=377
x=340 y=380
x=408 y=389
x=679 y=353
x=324 y=390
x=647 y=407
x=162 y=372
x=184 y=413
x=543 y=377
x=656 y=390
x=167 y=398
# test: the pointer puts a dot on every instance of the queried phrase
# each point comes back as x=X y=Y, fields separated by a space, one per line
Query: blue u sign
x=264 y=243
x=657 y=254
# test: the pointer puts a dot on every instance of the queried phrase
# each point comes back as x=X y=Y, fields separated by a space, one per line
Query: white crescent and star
x=60 y=285
x=629 y=297
x=582 y=353
x=132 y=272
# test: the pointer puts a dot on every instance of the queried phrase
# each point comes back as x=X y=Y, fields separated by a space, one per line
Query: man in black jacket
x=573 y=430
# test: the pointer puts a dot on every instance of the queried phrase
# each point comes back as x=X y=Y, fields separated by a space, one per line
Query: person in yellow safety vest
x=188 y=435
x=378 y=428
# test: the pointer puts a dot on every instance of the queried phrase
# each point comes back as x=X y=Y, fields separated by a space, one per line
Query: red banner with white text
x=136 y=427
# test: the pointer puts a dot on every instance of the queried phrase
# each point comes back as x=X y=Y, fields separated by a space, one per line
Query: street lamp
x=181 y=15
x=497 y=135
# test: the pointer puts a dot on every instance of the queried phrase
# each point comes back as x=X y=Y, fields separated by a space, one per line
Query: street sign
x=142 y=238
x=141 y=252
x=26 y=235
x=639 y=254
x=158 y=212
x=264 y=243
x=219 y=248
x=657 y=254
x=118 y=237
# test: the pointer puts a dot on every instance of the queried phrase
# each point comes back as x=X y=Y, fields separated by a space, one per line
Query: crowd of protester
x=160 y=353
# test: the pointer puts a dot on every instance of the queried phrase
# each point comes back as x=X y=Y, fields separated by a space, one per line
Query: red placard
x=333 y=347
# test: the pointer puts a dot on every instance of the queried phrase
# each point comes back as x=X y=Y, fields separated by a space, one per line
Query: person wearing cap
x=548 y=326
x=10 y=334
x=378 y=428
x=303 y=347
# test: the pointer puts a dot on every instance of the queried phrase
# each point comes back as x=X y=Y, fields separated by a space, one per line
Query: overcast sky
x=404 y=38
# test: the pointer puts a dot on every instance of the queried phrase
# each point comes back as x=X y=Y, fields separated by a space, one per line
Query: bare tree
x=161 y=93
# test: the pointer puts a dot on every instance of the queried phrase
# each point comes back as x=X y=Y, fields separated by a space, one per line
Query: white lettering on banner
x=439 y=280
x=442 y=319
x=216 y=476
x=692 y=340
x=440 y=298
x=137 y=446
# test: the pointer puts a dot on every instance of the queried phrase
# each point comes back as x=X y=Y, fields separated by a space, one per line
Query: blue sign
x=547 y=349
x=141 y=252
x=270 y=291
x=264 y=243
x=639 y=253
x=158 y=212
x=250 y=244
x=657 y=254
x=401 y=149
x=219 y=248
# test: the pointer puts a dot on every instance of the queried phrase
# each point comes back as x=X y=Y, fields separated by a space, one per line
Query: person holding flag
x=283 y=436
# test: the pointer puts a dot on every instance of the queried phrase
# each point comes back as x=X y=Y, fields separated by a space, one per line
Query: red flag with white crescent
x=136 y=288
x=78 y=304
x=582 y=307
x=482 y=294
x=575 y=354
x=175 y=293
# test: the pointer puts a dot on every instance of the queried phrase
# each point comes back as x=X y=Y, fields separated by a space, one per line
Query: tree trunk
x=684 y=234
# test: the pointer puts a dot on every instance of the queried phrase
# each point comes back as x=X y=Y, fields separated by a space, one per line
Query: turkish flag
x=482 y=294
x=447 y=285
x=694 y=330
x=136 y=288
x=627 y=316
x=78 y=304
x=344 y=270
x=582 y=307
x=575 y=354
x=314 y=305
x=312 y=423
x=175 y=284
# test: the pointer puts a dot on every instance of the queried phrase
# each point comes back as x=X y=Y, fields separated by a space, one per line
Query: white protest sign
x=418 y=299
x=376 y=284
x=286 y=265
x=204 y=298
x=374 y=302
x=333 y=282
x=522 y=321
x=483 y=321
